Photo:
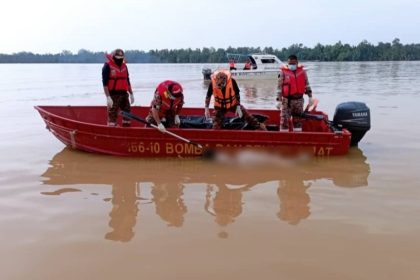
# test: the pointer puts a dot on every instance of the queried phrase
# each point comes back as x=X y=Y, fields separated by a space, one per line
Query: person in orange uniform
x=117 y=87
x=292 y=85
x=226 y=95
x=166 y=105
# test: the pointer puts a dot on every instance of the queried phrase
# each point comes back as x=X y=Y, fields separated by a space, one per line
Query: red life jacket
x=118 y=76
x=294 y=82
x=247 y=66
x=227 y=100
x=232 y=64
x=170 y=103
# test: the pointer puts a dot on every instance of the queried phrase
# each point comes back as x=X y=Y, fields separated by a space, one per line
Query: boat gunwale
x=344 y=132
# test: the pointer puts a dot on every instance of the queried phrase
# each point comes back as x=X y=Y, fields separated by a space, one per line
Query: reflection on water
x=124 y=211
x=170 y=206
x=223 y=195
x=61 y=191
x=294 y=200
x=225 y=204
x=158 y=219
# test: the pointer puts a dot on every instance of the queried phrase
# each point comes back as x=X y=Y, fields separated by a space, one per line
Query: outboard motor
x=355 y=117
x=206 y=74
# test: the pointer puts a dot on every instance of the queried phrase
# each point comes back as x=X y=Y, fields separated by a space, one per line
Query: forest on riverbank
x=364 y=51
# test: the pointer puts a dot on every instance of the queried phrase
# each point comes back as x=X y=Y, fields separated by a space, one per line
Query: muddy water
x=72 y=215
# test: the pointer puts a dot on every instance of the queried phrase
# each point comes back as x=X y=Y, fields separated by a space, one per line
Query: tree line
x=364 y=51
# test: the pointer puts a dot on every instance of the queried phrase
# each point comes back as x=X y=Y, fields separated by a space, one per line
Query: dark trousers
x=120 y=102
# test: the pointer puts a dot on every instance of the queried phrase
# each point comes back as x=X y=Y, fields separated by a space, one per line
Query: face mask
x=221 y=85
x=118 y=61
x=292 y=67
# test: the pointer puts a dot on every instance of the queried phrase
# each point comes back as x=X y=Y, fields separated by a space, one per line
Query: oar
x=139 y=119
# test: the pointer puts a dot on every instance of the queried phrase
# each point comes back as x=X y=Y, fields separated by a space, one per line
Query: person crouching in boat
x=166 y=105
x=117 y=88
x=292 y=85
x=226 y=95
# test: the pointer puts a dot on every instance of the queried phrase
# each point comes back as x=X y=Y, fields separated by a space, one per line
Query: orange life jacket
x=118 y=76
x=228 y=99
x=294 y=82
x=170 y=104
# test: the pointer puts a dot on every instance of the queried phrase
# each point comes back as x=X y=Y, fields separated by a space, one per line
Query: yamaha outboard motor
x=206 y=73
x=355 y=117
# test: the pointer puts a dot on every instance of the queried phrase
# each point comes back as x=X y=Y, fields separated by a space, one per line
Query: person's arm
x=105 y=78
x=156 y=103
x=179 y=107
x=130 y=90
x=155 y=114
x=208 y=96
x=236 y=90
x=280 y=86
x=308 y=89
x=207 y=101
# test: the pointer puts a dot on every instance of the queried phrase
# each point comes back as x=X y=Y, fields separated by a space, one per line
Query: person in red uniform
x=232 y=64
x=248 y=65
x=226 y=95
x=292 y=85
x=166 y=105
x=117 y=87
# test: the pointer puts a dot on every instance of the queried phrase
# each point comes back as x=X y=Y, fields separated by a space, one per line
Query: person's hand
x=311 y=101
x=109 y=101
x=131 y=95
x=278 y=103
x=161 y=127
x=177 y=120
x=239 y=111
x=207 y=113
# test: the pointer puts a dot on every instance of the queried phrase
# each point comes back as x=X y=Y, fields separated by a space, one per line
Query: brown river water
x=66 y=214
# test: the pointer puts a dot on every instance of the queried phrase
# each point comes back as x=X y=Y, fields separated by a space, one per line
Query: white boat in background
x=263 y=66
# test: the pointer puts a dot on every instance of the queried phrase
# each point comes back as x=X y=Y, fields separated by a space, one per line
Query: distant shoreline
x=364 y=51
x=131 y=63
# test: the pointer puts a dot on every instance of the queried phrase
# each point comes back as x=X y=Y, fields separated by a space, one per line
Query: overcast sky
x=50 y=26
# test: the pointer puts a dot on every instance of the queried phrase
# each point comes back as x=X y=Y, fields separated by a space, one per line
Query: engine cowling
x=355 y=117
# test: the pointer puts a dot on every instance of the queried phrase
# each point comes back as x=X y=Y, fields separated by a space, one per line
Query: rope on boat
x=73 y=138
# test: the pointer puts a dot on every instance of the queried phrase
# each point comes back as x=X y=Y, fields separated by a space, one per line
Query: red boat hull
x=84 y=128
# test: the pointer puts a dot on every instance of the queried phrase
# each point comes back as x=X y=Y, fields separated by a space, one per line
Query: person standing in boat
x=166 y=105
x=292 y=85
x=248 y=65
x=232 y=64
x=226 y=99
x=117 y=87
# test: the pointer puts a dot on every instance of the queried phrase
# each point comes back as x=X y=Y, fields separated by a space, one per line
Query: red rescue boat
x=85 y=128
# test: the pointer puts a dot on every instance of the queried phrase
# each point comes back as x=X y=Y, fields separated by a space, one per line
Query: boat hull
x=84 y=128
